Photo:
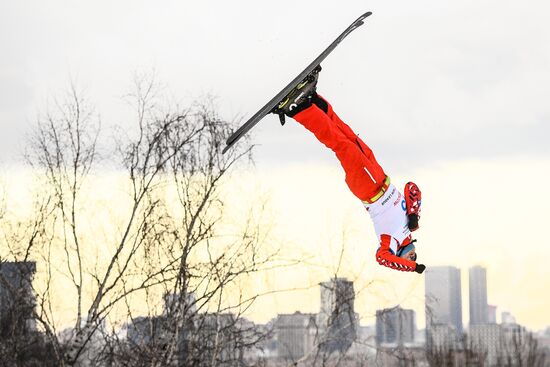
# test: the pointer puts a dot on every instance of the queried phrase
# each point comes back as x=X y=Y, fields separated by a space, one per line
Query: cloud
x=444 y=78
x=15 y=101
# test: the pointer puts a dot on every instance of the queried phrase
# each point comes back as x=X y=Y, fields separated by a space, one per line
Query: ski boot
x=299 y=98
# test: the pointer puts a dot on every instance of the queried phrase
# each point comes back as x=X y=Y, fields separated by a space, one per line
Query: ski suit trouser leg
x=364 y=176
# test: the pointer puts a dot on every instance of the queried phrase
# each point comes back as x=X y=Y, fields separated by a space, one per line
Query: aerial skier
x=394 y=215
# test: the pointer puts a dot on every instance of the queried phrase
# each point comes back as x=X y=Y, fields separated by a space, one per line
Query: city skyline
x=368 y=320
x=333 y=291
x=301 y=336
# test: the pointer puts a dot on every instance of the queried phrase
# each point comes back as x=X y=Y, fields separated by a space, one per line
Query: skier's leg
x=324 y=105
x=348 y=132
x=364 y=175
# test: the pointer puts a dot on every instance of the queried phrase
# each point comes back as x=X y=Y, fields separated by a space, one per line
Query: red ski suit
x=364 y=176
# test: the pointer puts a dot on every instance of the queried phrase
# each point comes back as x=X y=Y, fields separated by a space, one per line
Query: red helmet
x=413 y=200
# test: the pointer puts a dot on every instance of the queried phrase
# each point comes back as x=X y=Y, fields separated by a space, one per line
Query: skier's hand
x=413 y=222
x=420 y=268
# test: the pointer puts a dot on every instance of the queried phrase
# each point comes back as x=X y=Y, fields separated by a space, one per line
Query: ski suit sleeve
x=385 y=257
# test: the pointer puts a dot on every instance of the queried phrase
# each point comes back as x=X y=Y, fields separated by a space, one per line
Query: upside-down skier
x=394 y=215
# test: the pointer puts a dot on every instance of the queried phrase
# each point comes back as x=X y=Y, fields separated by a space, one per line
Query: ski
x=265 y=110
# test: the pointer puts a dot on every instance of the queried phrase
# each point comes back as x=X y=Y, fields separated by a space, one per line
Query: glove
x=413 y=222
x=420 y=268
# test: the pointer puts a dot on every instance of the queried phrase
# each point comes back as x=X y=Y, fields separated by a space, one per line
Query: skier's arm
x=385 y=257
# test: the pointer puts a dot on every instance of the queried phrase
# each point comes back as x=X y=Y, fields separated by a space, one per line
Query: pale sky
x=453 y=95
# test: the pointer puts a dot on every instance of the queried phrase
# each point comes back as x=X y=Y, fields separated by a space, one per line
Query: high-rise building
x=295 y=334
x=492 y=314
x=337 y=320
x=17 y=299
x=479 y=314
x=394 y=326
x=443 y=300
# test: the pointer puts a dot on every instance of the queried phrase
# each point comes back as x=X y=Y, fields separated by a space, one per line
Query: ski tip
x=362 y=17
x=228 y=144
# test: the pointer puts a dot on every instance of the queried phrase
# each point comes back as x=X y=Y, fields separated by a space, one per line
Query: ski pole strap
x=383 y=189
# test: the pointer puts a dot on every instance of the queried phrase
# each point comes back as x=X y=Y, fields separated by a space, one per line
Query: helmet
x=413 y=200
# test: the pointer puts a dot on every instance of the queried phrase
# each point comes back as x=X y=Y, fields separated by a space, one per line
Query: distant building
x=395 y=326
x=218 y=339
x=543 y=339
x=17 y=299
x=144 y=331
x=147 y=332
x=507 y=345
x=478 y=296
x=208 y=338
x=295 y=335
x=516 y=340
x=92 y=354
x=258 y=342
x=364 y=347
x=486 y=340
x=185 y=304
x=366 y=334
x=337 y=320
x=491 y=314
x=443 y=304
x=442 y=337
x=420 y=336
x=507 y=318
x=411 y=356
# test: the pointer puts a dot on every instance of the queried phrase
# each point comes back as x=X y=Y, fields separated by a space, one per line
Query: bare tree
x=518 y=347
x=196 y=264
x=21 y=240
x=174 y=240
